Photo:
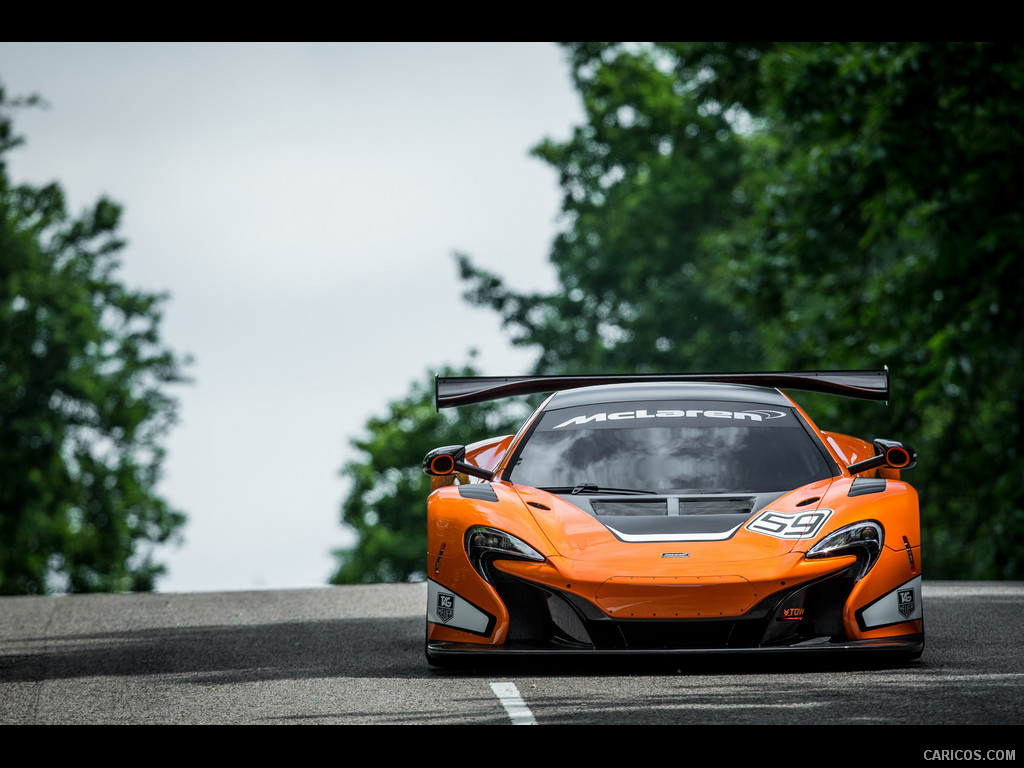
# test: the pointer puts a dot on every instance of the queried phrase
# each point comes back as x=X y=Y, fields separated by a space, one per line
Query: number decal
x=801 y=525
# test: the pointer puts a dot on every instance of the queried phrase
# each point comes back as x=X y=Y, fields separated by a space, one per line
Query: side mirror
x=888 y=453
x=450 y=459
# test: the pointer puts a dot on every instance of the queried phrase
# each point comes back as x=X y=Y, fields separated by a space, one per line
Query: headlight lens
x=482 y=541
x=863 y=539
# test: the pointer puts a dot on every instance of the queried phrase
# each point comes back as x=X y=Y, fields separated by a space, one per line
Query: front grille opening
x=691 y=634
x=823 y=608
x=529 y=619
x=819 y=607
x=540 y=616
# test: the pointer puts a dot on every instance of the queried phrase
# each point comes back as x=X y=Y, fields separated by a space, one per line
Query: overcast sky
x=301 y=203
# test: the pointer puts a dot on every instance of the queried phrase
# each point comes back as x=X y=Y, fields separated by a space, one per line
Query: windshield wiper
x=593 y=488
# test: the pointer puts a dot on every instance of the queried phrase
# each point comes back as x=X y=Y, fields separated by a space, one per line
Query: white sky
x=301 y=203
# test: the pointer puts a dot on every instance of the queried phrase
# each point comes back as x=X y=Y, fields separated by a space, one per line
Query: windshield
x=670 y=447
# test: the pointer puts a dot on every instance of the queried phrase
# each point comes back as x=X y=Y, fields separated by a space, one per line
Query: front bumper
x=805 y=618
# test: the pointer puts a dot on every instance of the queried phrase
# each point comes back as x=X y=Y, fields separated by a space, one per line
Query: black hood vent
x=707 y=517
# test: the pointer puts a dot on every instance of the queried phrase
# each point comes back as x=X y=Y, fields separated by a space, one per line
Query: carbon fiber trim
x=862 y=486
x=908 y=647
x=479 y=491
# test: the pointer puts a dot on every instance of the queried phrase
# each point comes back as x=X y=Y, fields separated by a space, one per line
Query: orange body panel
x=669 y=595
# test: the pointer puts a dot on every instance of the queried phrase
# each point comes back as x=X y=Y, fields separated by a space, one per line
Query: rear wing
x=451 y=391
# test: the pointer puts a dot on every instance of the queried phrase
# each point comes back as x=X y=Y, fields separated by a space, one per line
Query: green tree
x=386 y=503
x=651 y=172
x=887 y=228
x=789 y=206
x=867 y=212
x=83 y=406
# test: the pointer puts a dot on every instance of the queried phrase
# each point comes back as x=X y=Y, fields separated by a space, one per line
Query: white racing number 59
x=800 y=525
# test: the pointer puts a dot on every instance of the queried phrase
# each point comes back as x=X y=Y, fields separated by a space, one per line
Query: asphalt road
x=354 y=656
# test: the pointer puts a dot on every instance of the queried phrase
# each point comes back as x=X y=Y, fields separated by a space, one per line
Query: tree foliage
x=83 y=401
x=788 y=206
x=386 y=502
x=650 y=173
x=887 y=227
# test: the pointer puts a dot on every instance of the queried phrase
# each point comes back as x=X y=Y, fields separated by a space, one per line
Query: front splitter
x=909 y=646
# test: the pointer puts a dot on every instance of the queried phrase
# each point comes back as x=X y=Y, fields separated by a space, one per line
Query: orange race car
x=671 y=514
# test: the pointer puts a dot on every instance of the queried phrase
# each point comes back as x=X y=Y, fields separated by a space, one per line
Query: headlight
x=862 y=539
x=491 y=543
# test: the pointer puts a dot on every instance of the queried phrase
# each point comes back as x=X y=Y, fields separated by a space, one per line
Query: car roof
x=617 y=393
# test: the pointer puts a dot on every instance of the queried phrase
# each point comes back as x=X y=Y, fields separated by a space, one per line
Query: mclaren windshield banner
x=665 y=414
x=663 y=445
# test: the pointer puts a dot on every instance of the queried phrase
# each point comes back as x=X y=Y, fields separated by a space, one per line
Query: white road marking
x=513 y=703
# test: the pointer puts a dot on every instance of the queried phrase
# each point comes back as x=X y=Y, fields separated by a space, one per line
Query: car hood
x=710 y=527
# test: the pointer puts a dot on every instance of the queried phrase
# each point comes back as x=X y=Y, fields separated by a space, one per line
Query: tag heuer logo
x=905 y=598
x=446 y=607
